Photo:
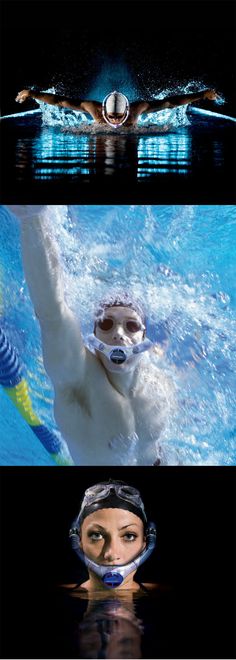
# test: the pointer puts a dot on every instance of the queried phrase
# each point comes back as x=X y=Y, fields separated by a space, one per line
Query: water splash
x=82 y=123
x=108 y=80
x=125 y=449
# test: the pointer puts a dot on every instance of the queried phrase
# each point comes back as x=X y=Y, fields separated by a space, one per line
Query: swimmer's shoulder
x=153 y=587
x=74 y=589
x=163 y=379
x=149 y=586
x=138 y=107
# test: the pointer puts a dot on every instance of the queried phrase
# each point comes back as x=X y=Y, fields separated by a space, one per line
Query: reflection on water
x=55 y=154
x=58 y=153
x=117 y=625
x=167 y=154
x=109 y=629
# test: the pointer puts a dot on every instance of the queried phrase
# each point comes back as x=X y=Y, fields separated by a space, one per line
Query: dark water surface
x=189 y=164
x=162 y=624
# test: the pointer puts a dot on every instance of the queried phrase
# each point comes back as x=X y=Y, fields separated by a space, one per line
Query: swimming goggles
x=131 y=325
x=102 y=491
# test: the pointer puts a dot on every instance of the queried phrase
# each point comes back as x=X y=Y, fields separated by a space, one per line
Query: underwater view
x=180 y=262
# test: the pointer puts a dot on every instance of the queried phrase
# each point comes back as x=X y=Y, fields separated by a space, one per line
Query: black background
x=162 y=43
x=194 y=509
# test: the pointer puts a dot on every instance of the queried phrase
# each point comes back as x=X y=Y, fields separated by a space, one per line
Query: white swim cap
x=115 y=103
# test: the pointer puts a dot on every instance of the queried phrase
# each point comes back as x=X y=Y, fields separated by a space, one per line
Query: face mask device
x=118 y=354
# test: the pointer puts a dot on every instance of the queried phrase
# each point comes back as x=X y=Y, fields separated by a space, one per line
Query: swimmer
x=112 y=537
x=115 y=110
x=110 y=404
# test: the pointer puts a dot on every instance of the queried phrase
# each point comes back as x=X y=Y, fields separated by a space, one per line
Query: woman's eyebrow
x=92 y=525
x=129 y=525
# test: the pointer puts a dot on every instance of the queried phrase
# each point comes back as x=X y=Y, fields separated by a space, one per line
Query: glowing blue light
x=49 y=149
x=169 y=153
x=198 y=111
x=21 y=114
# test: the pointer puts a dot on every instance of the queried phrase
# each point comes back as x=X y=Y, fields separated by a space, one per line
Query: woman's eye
x=129 y=536
x=95 y=536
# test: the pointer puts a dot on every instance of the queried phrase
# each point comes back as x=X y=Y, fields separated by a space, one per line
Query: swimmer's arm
x=63 y=349
x=58 y=100
x=180 y=99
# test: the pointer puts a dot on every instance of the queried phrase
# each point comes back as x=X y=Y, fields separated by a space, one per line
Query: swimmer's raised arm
x=174 y=101
x=56 y=99
x=63 y=349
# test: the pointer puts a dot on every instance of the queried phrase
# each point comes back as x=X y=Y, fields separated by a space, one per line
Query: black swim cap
x=119 y=495
x=112 y=502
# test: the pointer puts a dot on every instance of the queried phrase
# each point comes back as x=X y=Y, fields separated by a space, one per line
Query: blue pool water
x=181 y=260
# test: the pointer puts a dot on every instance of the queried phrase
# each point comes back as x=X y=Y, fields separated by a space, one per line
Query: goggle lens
x=101 y=491
x=107 y=324
x=133 y=326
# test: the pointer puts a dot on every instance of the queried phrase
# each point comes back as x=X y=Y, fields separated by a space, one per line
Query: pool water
x=181 y=261
x=177 y=156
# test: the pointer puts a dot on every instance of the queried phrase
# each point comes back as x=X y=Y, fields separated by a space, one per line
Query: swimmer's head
x=111 y=533
x=115 y=109
x=125 y=301
x=114 y=509
x=120 y=321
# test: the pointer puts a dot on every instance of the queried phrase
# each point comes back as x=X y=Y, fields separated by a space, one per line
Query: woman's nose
x=111 y=550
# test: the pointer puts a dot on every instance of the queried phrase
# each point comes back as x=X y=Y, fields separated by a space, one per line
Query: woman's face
x=112 y=536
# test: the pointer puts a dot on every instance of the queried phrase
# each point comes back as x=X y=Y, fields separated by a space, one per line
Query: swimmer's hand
x=211 y=95
x=22 y=96
x=26 y=211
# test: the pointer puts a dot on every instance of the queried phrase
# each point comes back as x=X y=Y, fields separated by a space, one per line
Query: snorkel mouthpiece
x=118 y=356
x=112 y=580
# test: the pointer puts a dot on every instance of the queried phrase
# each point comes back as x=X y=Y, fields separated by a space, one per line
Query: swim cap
x=115 y=103
x=112 y=495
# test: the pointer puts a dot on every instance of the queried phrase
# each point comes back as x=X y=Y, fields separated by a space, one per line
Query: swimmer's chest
x=107 y=410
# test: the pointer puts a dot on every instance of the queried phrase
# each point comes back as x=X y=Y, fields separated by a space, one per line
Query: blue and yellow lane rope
x=16 y=387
